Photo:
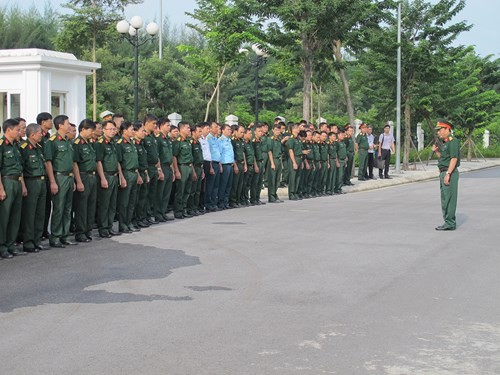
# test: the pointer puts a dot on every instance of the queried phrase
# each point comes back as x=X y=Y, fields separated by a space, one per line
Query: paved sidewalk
x=416 y=173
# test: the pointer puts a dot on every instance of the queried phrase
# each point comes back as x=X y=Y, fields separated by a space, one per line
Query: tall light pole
x=132 y=29
x=160 y=41
x=398 y=100
x=258 y=62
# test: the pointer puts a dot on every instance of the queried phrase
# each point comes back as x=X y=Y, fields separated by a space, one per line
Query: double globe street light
x=261 y=55
x=130 y=32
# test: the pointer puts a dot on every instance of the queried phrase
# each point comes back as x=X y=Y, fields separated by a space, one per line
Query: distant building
x=37 y=80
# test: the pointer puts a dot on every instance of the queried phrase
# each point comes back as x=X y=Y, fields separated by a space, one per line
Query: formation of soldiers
x=136 y=172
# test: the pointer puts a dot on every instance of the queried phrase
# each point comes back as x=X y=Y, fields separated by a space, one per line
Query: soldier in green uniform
x=306 y=180
x=140 y=213
x=274 y=170
x=33 y=212
x=294 y=146
x=349 y=143
x=12 y=189
x=58 y=152
x=332 y=158
x=129 y=164
x=164 y=143
x=448 y=163
x=183 y=169
x=84 y=169
x=44 y=119
x=154 y=167
x=340 y=162
x=251 y=167
x=260 y=155
x=110 y=175
x=325 y=166
x=240 y=166
x=265 y=149
x=285 y=136
x=362 y=147
x=198 y=175
x=316 y=174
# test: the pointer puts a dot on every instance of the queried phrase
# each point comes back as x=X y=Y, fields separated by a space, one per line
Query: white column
x=486 y=139
x=175 y=118
x=232 y=120
x=420 y=137
x=391 y=124
x=357 y=122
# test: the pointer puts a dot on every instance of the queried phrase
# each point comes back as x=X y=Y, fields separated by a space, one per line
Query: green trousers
x=348 y=168
x=10 y=214
x=340 y=176
x=322 y=178
x=140 y=212
x=237 y=184
x=33 y=212
x=247 y=185
x=85 y=206
x=331 y=177
x=285 y=173
x=164 y=191
x=183 y=189
x=152 y=189
x=61 y=208
x=106 y=203
x=449 y=196
x=294 y=176
x=256 y=183
x=127 y=198
x=273 y=176
x=304 y=180
x=195 y=193
x=363 y=163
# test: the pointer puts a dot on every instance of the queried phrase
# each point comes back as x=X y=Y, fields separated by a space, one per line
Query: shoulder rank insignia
x=451 y=138
x=77 y=141
x=101 y=140
x=120 y=141
x=179 y=138
x=24 y=144
x=1 y=141
x=53 y=138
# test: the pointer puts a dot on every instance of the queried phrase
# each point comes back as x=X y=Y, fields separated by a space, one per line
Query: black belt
x=142 y=170
x=34 y=178
x=215 y=161
x=131 y=170
x=188 y=164
x=199 y=165
x=444 y=169
x=18 y=178
x=227 y=164
x=152 y=164
x=89 y=173
x=69 y=174
x=111 y=173
x=166 y=164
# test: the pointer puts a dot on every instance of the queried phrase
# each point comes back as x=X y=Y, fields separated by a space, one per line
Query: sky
x=483 y=14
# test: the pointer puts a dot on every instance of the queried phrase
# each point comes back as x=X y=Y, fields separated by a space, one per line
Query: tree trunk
x=337 y=52
x=217 y=100
x=406 y=155
x=220 y=74
x=469 y=146
x=308 y=71
x=94 y=71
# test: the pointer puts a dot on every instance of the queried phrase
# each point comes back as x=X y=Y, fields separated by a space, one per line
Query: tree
x=86 y=27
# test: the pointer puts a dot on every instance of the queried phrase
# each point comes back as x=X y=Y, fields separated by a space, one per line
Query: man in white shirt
x=386 y=146
x=207 y=165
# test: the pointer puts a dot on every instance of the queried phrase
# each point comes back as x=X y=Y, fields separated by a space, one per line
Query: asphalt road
x=353 y=284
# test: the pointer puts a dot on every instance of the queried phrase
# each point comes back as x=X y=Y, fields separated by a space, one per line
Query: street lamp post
x=132 y=29
x=258 y=62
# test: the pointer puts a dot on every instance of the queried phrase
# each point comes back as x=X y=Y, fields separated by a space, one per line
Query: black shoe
x=160 y=219
x=381 y=177
x=444 y=227
x=82 y=239
x=104 y=235
x=274 y=201
x=57 y=244
x=41 y=247
x=89 y=235
x=192 y=213
x=126 y=231
x=46 y=235
x=6 y=255
x=133 y=228
x=362 y=179
x=187 y=215
x=152 y=221
x=143 y=224
x=113 y=233
x=179 y=216
x=68 y=243
x=388 y=177
x=30 y=250
x=17 y=253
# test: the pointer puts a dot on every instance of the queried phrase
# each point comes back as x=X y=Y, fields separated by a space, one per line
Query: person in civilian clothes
x=208 y=170
x=227 y=163
x=213 y=180
x=386 y=146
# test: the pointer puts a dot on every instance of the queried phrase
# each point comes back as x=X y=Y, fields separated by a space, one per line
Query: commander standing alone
x=448 y=163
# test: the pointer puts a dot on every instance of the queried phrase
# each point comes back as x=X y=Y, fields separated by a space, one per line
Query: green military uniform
x=107 y=198
x=307 y=174
x=182 y=151
x=294 y=175
x=265 y=162
x=257 y=179
x=86 y=200
x=285 y=159
x=33 y=213
x=323 y=151
x=238 y=178
x=274 y=146
x=449 y=193
x=11 y=171
x=48 y=195
x=164 y=187
x=127 y=197
x=332 y=171
x=194 y=196
x=316 y=174
x=59 y=151
x=247 y=177
x=349 y=143
x=151 y=147
x=341 y=156
x=141 y=213
x=362 y=141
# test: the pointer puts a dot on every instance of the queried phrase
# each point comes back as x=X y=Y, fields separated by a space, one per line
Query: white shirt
x=205 y=147
x=388 y=139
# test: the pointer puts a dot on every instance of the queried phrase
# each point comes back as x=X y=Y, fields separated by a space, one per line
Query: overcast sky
x=483 y=14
